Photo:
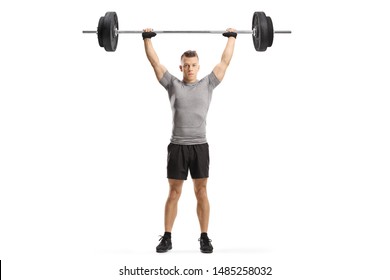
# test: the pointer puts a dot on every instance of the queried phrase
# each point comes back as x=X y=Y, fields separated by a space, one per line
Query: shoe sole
x=164 y=251
x=206 y=252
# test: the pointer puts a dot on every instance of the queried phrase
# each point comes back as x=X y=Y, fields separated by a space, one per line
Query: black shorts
x=183 y=157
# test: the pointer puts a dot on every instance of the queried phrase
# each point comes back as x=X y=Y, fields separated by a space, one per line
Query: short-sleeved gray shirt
x=190 y=104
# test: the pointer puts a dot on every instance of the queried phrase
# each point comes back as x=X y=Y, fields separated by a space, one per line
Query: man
x=188 y=150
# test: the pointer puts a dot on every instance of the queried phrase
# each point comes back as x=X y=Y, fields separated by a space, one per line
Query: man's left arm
x=220 y=69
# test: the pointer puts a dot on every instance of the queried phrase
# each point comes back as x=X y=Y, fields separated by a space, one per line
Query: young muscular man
x=188 y=150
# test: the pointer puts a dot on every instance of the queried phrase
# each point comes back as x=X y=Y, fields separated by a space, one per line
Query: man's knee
x=201 y=193
x=174 y=194
x=200 y=187
x=175 y=187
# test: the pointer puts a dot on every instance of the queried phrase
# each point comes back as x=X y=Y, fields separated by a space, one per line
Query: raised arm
x=227 y=54
x=151 y=54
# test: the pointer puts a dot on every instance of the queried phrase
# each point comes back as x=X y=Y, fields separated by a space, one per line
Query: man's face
x=190 y=67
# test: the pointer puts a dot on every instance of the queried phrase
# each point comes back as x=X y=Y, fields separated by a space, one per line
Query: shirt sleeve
x=213 y=81
x=166 y=80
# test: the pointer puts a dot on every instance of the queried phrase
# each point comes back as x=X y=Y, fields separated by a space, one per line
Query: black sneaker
x=205 y=245
x=165 y=245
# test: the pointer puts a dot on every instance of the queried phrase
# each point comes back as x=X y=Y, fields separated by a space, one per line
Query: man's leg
x=203 y=205
x=203 y=211
x=175 y=187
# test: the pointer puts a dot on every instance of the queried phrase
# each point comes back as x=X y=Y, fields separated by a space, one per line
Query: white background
x=299 y=140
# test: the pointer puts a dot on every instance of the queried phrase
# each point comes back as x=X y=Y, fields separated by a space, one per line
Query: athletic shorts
x=182 y=158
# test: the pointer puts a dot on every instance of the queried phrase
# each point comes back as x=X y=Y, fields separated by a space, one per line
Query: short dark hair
x=189 y=54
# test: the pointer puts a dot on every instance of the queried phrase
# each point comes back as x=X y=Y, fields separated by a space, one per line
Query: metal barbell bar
x=262 y=31
x=189 y=31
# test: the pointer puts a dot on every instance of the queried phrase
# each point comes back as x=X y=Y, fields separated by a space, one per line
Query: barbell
x=262 y=31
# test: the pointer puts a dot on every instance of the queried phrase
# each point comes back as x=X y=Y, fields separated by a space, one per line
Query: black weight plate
x=100 y=33
x=263 y=27
x=110 y=39
x=256 y=34
x=116 y=27
x=270 y=32
x=261 y=37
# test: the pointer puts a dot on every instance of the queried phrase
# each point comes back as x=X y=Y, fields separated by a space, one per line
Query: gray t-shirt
x=190 y=104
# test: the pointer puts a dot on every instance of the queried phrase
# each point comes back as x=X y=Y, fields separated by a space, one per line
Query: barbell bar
x=262 y=31
x=188 y=31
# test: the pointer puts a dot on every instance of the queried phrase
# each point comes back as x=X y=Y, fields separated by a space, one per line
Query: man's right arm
x=151 y=54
